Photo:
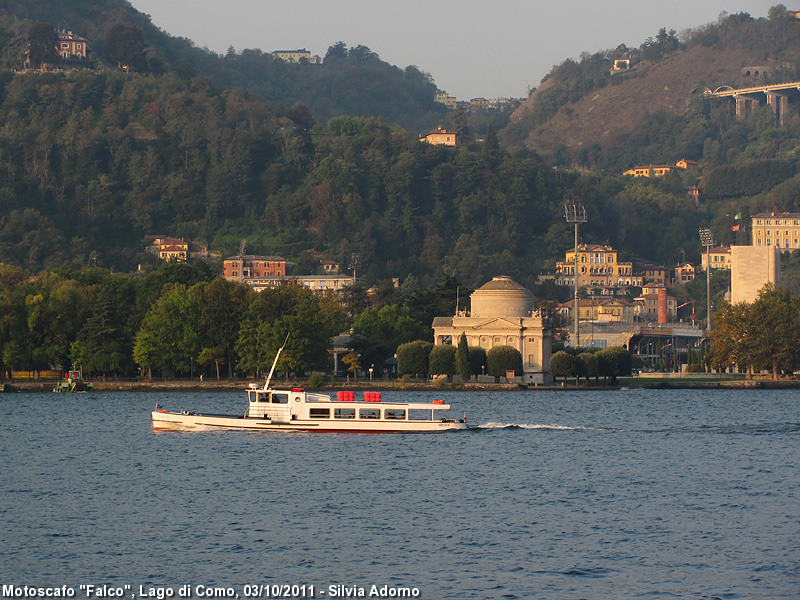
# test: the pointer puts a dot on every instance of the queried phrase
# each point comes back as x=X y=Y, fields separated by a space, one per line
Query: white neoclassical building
x=502 y=314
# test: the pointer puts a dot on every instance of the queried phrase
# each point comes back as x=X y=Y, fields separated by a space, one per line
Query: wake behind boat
x=271 y=409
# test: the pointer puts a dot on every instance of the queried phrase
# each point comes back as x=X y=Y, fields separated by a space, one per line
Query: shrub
x=503 y=358
x=412 y=358
x=442 y=360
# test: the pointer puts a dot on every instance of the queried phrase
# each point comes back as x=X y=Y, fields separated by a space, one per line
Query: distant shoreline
x=46 y=385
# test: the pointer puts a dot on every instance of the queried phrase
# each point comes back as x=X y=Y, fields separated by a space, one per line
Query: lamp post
x=707 y=240
x=575 y=213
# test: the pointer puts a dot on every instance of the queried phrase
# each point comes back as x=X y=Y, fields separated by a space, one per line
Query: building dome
x=501 y=297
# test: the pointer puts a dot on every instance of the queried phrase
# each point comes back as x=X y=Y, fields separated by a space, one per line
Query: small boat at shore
x=73 y=382
x=270 y=409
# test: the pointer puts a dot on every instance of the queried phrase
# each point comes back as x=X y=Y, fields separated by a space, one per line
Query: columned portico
x=503 y=315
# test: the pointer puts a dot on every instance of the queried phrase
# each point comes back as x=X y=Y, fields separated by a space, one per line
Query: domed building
x=502 y=314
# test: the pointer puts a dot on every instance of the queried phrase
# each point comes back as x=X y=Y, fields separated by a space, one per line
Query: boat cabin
x=285 y=405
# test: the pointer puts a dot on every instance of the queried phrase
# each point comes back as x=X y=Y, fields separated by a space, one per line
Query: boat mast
x=275 y=362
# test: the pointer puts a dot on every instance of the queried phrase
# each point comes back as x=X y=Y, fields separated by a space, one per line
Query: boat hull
x=178 y=421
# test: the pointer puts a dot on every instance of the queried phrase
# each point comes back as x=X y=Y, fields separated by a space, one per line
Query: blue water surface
x=553 y=495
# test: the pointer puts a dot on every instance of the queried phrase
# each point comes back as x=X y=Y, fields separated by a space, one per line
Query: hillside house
x=776 y=229
x=596 y=266
x=439 y=136
x=330 y=267
x=660 y=170
x=720 y=258
x=249 y=268
x=168 y=248
x=443 y=98
x=684 y=272
x=656 y=274
x=73 y=51
x=296 y=56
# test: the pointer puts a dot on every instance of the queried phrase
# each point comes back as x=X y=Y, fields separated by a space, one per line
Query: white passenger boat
x=297 y=410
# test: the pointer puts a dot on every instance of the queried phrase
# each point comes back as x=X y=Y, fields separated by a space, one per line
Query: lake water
x=555 y=495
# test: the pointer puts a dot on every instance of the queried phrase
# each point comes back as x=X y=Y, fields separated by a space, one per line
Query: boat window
x=369 y=413
x=280 y=398
x=420 y=414
x=262 y=397
x=394 y=413
x=344 y=413
x=320 y=413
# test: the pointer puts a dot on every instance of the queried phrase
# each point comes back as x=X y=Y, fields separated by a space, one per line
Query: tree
x=43 y=44
x=477 y=360
x=125 y=46
x=501 y=359
x=774 y=327
x=562 y=365
x=169 y=337
x=273 y=315
x=222 y=304
x=353 y=363
x=731 y=341
x=377 y=333
x=591 y=368
x=462 y=358
x=412 y=357
x=614 y=361
x=442 y=360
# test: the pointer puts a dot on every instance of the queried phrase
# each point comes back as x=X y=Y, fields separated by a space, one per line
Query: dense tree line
x=91 y=163
x=759 y=336
x=182 y=319
x=355 y=81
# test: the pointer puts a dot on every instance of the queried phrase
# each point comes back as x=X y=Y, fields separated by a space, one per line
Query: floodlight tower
x=575 y=213
x=707 y=239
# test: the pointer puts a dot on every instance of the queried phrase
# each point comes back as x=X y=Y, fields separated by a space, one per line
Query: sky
x=471 y=48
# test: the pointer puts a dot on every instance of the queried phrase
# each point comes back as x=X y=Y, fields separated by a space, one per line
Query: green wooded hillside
x=351 y=81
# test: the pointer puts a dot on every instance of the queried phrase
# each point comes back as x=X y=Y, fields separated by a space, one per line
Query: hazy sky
x=471 y=48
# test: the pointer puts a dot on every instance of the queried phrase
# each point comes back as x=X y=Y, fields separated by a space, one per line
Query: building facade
x=752 y=269
x=295 y=56
x=249 y=267
x=656 y=274
x=684 y=272
x=781 y=230
x=502 y=314
x=439 y=136
x=71 y=46
x=169 y=248
x=595 y=266
x=720 y=258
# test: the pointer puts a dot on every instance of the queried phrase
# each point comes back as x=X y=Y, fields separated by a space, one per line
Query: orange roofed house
x=168 y=248
x=439 y=136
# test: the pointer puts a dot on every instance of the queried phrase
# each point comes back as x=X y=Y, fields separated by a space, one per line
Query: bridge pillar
x=741 y=104
x=779 y=104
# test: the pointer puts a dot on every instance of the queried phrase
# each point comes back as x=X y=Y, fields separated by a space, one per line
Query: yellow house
x=295 y=56
x=684 y=272
x=781 y=230
x=596 y=266
x=444 y=98
x=604 y=310
x=439 y=136
x=169 y=248
x=660 y=170
x=720 y=258
x=650 y=170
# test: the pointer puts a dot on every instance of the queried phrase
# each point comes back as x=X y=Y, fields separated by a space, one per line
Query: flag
x=736 y=227
x=738 y=216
